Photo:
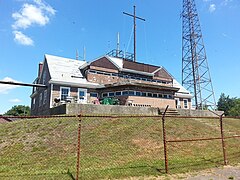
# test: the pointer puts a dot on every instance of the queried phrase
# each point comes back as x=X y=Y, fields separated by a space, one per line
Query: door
x=82 y=96
x=177 y=103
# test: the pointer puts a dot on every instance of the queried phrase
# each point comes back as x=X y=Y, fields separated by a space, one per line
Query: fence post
x=78 y=145
x=165 y=141
x=223 y=142
x=222 y=136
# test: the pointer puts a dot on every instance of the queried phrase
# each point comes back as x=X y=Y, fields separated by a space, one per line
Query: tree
x=231 y=106
x=18 y=110
x=235 y=110
x=225 y=103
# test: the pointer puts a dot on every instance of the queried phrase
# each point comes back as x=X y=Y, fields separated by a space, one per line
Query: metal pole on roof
x=76 y=54
x=84 y=53
x=135 y=26
x=118 y=44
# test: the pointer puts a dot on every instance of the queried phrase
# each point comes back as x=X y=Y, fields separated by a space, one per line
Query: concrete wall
x=89 y=109
x=198 y=113
x=73 y=108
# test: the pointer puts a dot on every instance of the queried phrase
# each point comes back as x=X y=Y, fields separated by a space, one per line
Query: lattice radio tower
x=195 y=71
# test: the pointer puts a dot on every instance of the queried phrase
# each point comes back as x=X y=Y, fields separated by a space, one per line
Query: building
x=109 y=76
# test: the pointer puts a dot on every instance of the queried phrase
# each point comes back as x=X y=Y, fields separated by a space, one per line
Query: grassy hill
x=111 y=147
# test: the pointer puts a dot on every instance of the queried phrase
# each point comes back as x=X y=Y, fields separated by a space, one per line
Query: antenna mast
x=195 y=71
x=77 y=54
x=118 y=44
x=84 y=53
x=134 y=25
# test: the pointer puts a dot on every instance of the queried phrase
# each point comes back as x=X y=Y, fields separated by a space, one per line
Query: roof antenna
x=84 y=53
x=76 y=54
x=118 y=44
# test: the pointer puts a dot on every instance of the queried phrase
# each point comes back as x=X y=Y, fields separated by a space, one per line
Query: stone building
x=132 y=83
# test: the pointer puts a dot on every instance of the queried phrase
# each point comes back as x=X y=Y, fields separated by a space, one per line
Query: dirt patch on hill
x=224 y=173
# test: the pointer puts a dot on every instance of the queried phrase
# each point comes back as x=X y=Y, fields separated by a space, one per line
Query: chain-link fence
x=195 y=143
x=121 y=146
x=38 y=147
x=115 y=147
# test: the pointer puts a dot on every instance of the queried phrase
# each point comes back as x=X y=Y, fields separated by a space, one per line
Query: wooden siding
x=104 y=63
x=139 y=66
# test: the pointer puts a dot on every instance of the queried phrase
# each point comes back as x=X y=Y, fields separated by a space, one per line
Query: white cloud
x=5 y=88
x=226 y=2
x=31 y=14
x=37 y=13
x=45 y=7
x=212 y=8
x=14 y=100
x=226 y=36
x=21 y=38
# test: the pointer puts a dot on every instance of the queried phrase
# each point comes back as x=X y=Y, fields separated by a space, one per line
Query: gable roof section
x=104 y=62
x=130 y=67
x=162 y=73
x=65 y=70
x=182 y=91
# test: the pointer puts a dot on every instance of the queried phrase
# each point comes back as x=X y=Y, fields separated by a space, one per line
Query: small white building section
x=182 y=96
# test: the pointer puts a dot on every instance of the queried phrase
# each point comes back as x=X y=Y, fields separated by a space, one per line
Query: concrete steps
x=170 y=112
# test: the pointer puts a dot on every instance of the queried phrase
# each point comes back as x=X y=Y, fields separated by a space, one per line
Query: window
x=111 y=94
x=118 y=93
x=40 y=100
x=170 y=96
x=160 y=95
x=185 y=102
x=165 y=96
x=104 y=94
x=124 y=93
x=45 y=97
x=131 y=93
x=155 y=95
x=149 y=94
x=144 y=94
x=93 y=94
x=81 y=93
x=138 y=93
x=99 y=72
x=65 y=91
x=92 y=71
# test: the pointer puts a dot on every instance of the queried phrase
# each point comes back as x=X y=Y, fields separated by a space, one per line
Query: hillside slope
x=110 y=147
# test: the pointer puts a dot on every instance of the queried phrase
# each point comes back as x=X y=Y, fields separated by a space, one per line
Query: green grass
x=111 y=148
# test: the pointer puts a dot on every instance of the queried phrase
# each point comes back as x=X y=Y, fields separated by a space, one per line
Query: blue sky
x=31 y=28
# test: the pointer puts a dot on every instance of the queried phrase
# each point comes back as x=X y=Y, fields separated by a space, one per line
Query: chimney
x=40 y=66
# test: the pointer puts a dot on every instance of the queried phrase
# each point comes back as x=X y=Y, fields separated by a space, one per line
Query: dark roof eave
x=142 y=85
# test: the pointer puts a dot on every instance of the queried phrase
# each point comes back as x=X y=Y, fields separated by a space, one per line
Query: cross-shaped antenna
x=134 y=23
